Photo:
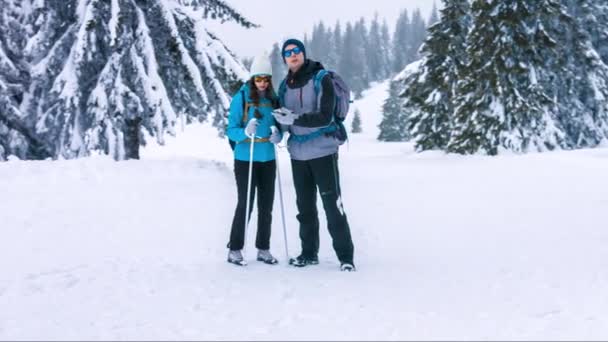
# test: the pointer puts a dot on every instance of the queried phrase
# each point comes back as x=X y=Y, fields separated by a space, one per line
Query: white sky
x=285 y=19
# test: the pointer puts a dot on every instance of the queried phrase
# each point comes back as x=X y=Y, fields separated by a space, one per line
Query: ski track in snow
x=447 y=247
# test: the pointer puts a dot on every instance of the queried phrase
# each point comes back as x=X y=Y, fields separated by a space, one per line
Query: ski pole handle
x=251 y=135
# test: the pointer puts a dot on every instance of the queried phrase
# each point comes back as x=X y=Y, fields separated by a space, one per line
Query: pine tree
x=100 y=69
x=247 y=62
x=430 y=92
x=592 y=15
x=386 y=50
x=350 y=61
x=417 y=36
x=335 y=46
x=502 y=102
x=434 y=17
x=307 y=44
x=279 y=69
x=375 y=52
x=361 y=48
x=17 y=134
x=323 y=43
x=313 y=48
x=580 y=84
x=393 y=124
x=356 y=124
x=401 y=42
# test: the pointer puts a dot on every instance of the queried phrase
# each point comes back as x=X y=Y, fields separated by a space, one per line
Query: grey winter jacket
x=316 y=112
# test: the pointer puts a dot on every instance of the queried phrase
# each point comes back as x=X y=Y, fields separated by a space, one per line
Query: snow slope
x=447 y=247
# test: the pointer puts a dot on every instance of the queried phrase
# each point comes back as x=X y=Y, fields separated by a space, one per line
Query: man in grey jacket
x=308 y=115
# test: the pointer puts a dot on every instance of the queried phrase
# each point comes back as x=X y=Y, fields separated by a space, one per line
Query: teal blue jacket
x=263 y=150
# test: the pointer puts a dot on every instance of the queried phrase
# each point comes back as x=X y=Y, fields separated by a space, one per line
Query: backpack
x=342 y=104
x=245 y=106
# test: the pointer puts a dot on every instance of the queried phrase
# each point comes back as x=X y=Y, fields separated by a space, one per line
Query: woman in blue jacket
x=251 y=116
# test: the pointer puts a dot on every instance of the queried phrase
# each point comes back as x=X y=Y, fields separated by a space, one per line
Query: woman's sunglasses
x=296 y=50
x=261 y=79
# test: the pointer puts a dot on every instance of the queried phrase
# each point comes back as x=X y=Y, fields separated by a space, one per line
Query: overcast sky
x=281 y=19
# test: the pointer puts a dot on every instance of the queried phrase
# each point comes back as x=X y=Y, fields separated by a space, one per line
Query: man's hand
x=284 y=116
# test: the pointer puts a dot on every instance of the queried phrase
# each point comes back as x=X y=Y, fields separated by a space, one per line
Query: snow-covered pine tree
x=395 y=116
x=386 y=50
x=10 y=139
x=279 y=69
x=361 y=48
x=247 y=62
x=375 y=51
x=401 y=42
x=593 y=17
x=580 y=87
x=99 y=68
x=350 y=61
x=313 y=46
x=429 y=93
x=356 y=123
x=502 y=102
x=434 y=17
x=417 y=35
x=392 y=127
x=330 y=60
x=335 y=50
x=17 y=135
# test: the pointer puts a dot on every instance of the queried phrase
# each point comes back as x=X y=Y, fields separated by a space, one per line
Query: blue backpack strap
x=282 y=91
x=318 y=78
x=245 y=118
x=306 y=137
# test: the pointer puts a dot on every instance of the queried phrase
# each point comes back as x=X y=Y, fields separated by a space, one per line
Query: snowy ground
x=447 y=247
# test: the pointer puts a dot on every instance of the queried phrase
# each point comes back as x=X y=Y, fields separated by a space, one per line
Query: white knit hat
x=261 y=65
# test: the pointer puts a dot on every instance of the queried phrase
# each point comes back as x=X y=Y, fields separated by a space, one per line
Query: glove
x=251 y=127
x=275 y=137
x=284 y=116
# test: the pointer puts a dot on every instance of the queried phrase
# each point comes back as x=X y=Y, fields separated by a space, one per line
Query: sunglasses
x=296 y=50
x=261 y=79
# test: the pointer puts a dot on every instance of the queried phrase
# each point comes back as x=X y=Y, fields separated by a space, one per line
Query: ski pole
x=276 y=157
x=247 y=212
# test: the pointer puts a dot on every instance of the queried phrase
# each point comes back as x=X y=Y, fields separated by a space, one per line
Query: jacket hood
x=305 y=74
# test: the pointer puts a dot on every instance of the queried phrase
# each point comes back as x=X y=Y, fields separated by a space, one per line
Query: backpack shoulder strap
x=245 y=107
x=282 y=91
x=318 y=78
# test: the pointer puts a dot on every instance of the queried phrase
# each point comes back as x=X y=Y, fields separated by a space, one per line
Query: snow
x=113 y=24
x=5 y=62
x=447 y=247
x=410 y=69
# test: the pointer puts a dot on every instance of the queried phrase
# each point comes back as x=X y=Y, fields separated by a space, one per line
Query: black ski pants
x=322 y=174
x=263 y=178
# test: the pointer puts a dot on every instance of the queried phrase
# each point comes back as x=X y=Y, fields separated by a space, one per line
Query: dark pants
x=263 y=181
x=321 y=173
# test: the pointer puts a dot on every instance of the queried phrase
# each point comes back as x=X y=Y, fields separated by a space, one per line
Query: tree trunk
x=131 y=137
x=37 y=149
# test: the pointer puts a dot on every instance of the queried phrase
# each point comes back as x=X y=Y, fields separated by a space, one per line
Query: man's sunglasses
x=296 y=50
x=261 y=79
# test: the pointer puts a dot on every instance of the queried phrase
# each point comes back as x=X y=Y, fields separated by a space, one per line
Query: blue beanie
x=296 y=43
